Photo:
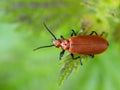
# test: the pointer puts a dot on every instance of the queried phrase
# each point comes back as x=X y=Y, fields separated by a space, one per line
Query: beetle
x=91 y=44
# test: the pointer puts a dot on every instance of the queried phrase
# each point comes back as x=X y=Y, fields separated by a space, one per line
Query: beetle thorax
x=64 y=44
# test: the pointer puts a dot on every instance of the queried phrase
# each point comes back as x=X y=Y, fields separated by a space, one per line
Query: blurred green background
x=22 y=30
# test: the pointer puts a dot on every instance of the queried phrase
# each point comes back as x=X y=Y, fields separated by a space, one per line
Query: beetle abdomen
x=90 y=44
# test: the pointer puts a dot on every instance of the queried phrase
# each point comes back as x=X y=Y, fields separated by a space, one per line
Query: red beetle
x=87 y=45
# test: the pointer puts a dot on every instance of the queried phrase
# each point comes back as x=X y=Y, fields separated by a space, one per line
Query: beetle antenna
x=42 y=47
x=49 y=31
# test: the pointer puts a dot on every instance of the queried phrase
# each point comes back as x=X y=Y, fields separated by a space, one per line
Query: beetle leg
x=93 y=33
x=74 y=58
x=72 y=33
x=61 y=54
x=61 y=37
x=96 y=33
x=102 y=33
x=81 y=61
x=92 y=56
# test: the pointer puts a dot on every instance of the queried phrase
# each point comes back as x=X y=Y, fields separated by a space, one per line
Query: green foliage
x=69 y=65
x=21 y=30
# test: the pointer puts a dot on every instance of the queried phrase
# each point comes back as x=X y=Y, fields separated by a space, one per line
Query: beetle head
x=55 y=41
